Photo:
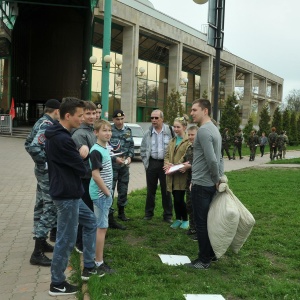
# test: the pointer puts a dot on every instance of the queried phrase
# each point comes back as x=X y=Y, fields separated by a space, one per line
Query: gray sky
x=263 y=32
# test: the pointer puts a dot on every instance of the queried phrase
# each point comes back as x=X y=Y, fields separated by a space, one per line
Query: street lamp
x=215 y=37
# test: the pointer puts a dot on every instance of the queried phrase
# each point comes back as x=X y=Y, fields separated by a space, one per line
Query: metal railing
x=5 y=124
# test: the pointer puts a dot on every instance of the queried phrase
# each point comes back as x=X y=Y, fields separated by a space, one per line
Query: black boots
x=121 y=213
x=52 y=235
x=113 y=224
x=38 y=257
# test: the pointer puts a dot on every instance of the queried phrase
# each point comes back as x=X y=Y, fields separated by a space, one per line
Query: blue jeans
x=201 y=197
x=69 y=213
x=101 y=210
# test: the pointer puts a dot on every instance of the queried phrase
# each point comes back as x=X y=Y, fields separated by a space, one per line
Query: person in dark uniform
x=226 y=143
x=272 y=143
x=122 y=146
x=238 y=140
x=253 y=142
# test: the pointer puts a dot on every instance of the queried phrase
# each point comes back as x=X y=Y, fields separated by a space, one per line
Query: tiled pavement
x=18 y=279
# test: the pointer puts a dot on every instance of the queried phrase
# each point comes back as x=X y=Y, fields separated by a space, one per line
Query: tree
x=230 y=117
x=264 y=122
x=277 y=120
x=286 y=119
x=298 y=128
x=204 y=95
x=173 y=107
x=293 y=100
x=293 y=137
x=247 y=129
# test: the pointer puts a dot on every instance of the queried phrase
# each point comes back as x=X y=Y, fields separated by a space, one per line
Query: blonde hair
x=182 y=120
x=100 y=123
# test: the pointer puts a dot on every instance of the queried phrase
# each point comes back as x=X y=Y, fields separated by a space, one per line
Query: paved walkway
x=18 y=279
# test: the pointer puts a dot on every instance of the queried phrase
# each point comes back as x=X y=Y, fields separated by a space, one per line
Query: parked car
x=137 y=134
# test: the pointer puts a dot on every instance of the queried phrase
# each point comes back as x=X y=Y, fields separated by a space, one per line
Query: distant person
x=252 y=143
x=122 y=146
x=176 y=182
x=226 y=143
x=272 y=143
x=153 y=148
x=44 y=210
x=285 y=144
x=101 y=188
x=238 y=141
x=207 y=169
x=98 y=110
x=281 y=142
x=188 y=160
x=263 y=141
x=66 y=167
x=84 y=135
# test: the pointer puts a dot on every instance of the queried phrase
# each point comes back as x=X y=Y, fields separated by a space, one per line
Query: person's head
x=263 y=133
x=273 y=129
x=98 y=110
x=71 y=112
x=179 y=125
x=118 y=118
x=201 y=110
x=157 y=118
x=102 y=130
x=252 y=132
x=192 y=131
x=52 y=108
x=282 y=132
x=89 y=112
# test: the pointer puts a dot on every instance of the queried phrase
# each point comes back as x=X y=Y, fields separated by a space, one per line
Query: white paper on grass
x=174 y=260
x=203 y=297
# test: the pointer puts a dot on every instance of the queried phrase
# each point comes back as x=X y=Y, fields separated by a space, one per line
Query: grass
x=267 y=267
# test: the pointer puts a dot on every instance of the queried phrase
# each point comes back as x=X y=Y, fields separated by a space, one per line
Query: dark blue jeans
x=201 y=197
x=69 y=213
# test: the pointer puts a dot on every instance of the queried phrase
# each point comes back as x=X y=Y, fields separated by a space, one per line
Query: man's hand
x=120 y=160
x=186 y=166
x=84 y=151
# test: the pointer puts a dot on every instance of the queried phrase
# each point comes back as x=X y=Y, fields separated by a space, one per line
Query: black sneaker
x=191 y=231
x=64 y=288
x=198 y=264
x=88 y=272
x=106 y=269
x=40 y=259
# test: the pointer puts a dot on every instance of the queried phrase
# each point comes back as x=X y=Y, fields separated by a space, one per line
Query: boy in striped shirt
x=101 y=187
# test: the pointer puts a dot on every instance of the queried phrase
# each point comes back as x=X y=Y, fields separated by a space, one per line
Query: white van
x=137 y=134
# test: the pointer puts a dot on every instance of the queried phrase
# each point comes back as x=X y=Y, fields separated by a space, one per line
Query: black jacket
x=64 y=163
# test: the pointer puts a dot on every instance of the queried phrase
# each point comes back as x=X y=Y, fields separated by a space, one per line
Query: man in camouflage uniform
x=272 y=138
x=121 y=142
x=44 y=210
x=226 y=143
x=238 y=140
x=281 y=142
x=253 y=141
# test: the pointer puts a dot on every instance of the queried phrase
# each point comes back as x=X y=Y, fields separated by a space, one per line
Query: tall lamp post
x=215 y=38
x=106 y=52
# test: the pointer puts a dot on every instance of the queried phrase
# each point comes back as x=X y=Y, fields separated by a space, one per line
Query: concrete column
x=175 y=66
x=273 y=106
x=247 y=100
x=129 y=67
x=280 y=93
x=262 y=93
x=190 y=92
x=162 y=88
x=230 y=80
x=206 y=76
x=274 y=91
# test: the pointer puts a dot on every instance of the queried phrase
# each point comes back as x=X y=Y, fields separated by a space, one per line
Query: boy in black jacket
x=66 y=167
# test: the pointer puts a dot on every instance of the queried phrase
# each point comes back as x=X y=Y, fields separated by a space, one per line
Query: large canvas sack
x=245 y=225
x=222 y=221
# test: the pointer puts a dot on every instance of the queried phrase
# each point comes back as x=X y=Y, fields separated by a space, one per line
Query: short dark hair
x=70 y=105
x=203 y=103
x=89 y=105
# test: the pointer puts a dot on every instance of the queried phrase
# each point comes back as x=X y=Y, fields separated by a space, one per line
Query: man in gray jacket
x=153 y=149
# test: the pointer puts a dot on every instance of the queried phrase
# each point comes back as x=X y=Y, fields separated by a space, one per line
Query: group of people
x=278 y=144
x=79 y=162
x=81 y=159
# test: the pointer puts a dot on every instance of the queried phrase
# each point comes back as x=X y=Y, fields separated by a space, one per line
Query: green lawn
x=267 y=267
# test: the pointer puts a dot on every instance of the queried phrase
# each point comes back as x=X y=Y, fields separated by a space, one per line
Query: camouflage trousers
x=45 y=211
x=121 y=180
